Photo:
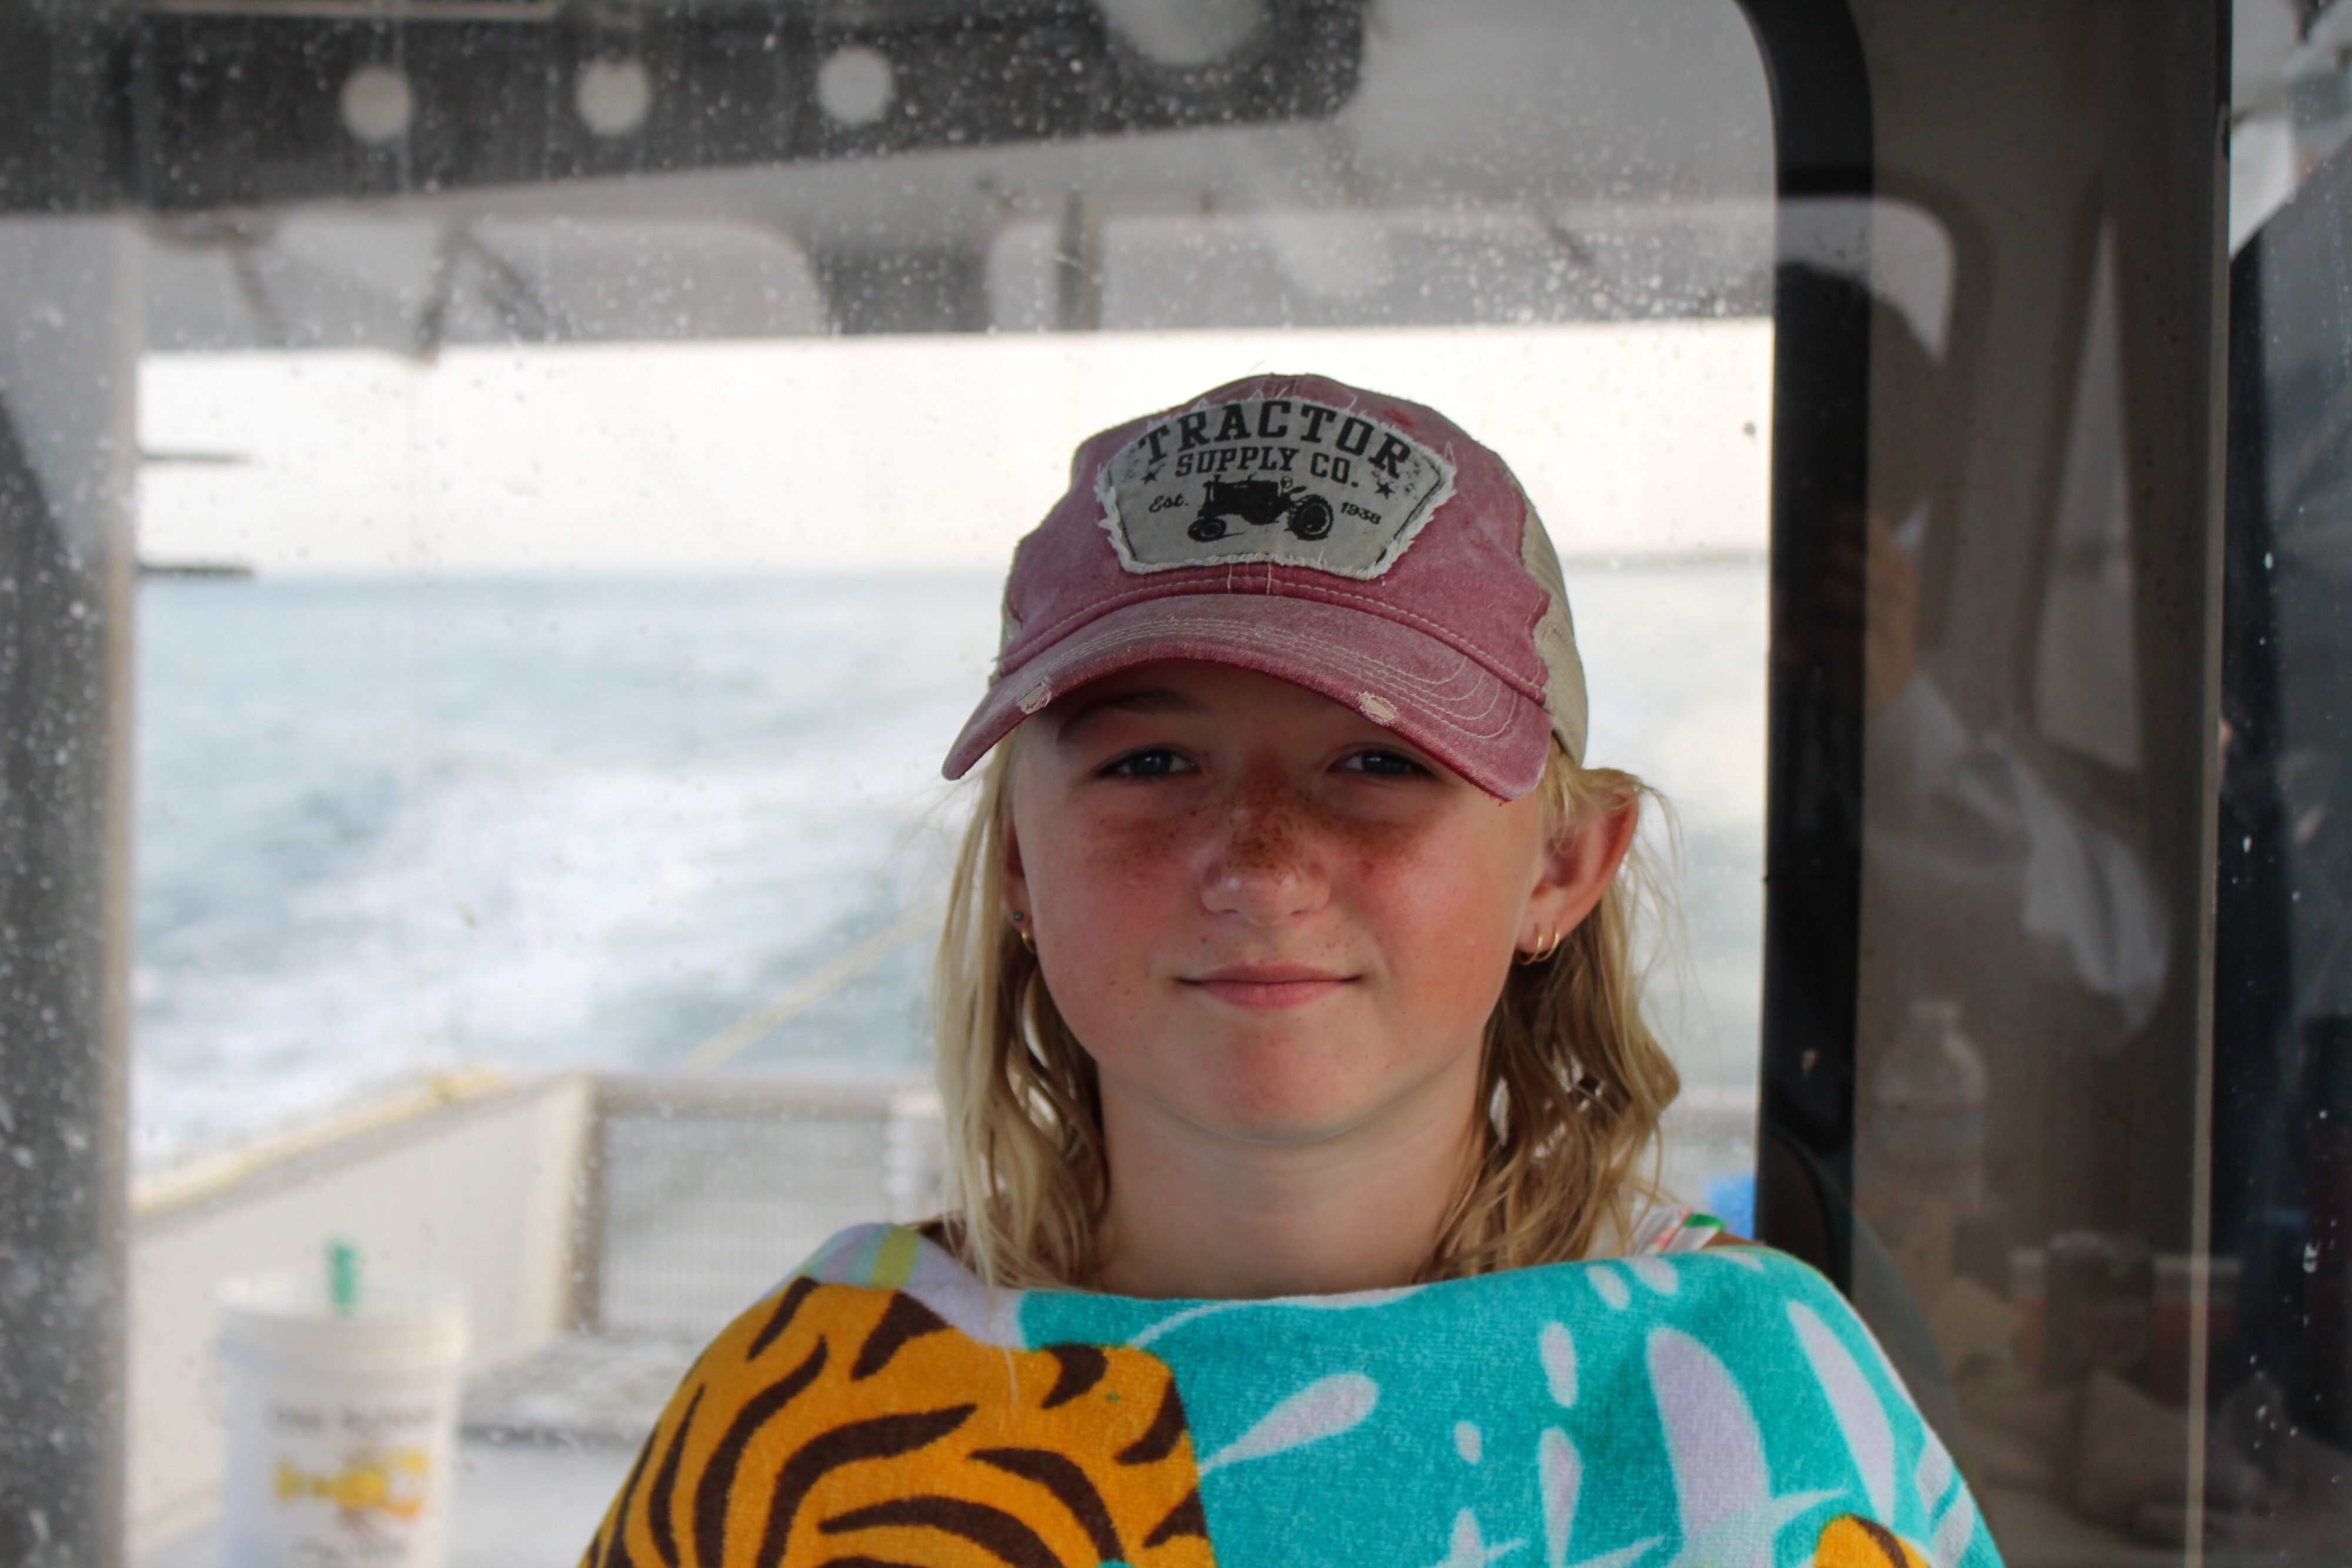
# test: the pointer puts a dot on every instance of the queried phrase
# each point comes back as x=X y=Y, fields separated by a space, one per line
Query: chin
x=1284 y=1092
x=1286 y=1114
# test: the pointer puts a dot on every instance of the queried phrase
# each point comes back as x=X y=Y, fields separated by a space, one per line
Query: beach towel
x=1686 y=1407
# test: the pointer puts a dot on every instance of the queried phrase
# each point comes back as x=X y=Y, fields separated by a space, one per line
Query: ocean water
x=391 y=826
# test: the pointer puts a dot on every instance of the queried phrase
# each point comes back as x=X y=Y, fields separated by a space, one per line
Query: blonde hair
x=1574 y=1080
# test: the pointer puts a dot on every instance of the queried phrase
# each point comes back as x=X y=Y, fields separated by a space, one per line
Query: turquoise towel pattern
x=1702 y=1409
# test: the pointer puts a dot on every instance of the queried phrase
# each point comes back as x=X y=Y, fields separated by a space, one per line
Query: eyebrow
x=1149 y=701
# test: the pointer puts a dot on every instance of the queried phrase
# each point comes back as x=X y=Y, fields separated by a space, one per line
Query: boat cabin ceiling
x=1015 y=169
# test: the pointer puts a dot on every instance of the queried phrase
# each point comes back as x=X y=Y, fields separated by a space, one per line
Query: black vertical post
x=2166 y=101
x=1812 y=833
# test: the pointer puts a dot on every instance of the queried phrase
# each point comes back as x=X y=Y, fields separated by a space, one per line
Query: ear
x=1014 y=885
x=1578 y=867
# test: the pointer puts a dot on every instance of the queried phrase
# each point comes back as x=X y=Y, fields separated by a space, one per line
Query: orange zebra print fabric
x=1851 y=1541
x=855 y=1427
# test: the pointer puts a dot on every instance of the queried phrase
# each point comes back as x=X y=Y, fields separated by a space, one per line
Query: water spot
x=377 y=104
x=856 y=86
x=612 y=96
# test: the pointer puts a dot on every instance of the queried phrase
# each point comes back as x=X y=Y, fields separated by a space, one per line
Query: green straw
x=343 y=1276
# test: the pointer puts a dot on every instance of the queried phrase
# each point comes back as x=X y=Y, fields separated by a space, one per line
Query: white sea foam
x=391 y=826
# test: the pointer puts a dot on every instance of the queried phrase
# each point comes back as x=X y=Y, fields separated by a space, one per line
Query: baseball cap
x=1352 y=543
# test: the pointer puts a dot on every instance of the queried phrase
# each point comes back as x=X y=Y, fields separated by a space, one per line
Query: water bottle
x=1928 y=1112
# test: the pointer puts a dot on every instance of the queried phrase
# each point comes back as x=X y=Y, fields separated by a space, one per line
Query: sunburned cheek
x=1102 y=1009
x=1107 y=896
x=1452 y=905
x=1460 y=994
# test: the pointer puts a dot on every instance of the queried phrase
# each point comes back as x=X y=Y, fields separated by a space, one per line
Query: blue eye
x=1152 y=762
x=1383 y=764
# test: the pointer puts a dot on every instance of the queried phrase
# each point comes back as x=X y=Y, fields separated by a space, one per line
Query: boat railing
x=605 y=1225
x=638 y=1209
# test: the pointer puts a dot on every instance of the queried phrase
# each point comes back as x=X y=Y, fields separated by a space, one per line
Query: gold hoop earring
x=1550 y=945
x=1020 y=929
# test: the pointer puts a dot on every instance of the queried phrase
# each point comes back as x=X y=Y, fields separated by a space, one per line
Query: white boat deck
x=548 y=1438
x=514 y=1505
x=604 y=1229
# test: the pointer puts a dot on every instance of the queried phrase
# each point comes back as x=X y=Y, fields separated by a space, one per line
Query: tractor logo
x=1279 y=479
x=1260 y=503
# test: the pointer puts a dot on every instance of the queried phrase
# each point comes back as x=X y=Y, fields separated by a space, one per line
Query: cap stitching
x=980 y=733
x=1430 y=703
x=1046 y=636
x=1252 y=632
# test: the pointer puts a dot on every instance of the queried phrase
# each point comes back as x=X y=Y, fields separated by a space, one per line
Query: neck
x=1196 y=1215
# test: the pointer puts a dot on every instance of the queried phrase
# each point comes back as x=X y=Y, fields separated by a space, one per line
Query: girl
x=1298 y=1089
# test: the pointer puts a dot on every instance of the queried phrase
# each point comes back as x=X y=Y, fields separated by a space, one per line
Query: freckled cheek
x=1110 y=890
x=1107 y=904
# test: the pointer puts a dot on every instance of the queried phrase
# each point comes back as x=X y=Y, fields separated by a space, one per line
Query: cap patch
x=1273 y=479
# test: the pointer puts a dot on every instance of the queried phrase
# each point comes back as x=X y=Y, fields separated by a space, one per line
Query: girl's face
x=1267 y=918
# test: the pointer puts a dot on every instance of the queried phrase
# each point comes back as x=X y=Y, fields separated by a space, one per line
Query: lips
x=1267 y=985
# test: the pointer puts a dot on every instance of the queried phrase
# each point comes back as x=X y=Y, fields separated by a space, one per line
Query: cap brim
x=1435 y=695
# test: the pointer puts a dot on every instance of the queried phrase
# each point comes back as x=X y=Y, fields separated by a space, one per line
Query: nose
x=1266 y=862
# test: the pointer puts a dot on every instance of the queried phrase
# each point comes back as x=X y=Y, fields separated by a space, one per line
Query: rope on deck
x=745 y=1032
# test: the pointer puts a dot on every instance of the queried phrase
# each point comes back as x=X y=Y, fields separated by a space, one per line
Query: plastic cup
x=340 y=1423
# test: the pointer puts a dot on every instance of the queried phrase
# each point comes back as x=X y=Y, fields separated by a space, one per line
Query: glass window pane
x=2279 y=1442
x=572 y=505
x=2021 y=595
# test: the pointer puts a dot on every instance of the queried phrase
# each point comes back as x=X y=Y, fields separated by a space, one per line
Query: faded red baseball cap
x=1357 y=545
